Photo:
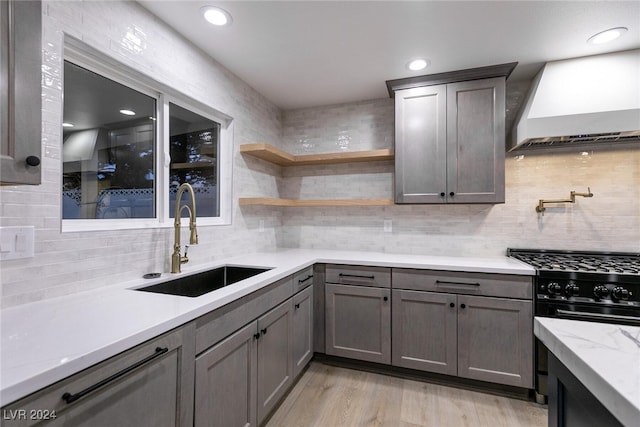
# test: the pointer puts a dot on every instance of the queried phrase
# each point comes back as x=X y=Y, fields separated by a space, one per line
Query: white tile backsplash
x=66 y=263
x=71 y=262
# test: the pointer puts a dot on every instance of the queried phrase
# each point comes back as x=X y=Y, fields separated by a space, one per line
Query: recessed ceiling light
x=67 y=125
x=128 y=112
x=216 y=16
x=418 y=64
x=607 y=35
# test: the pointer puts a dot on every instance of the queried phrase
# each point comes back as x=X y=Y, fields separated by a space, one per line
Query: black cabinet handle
x=69 y=398
x=451 y=305
x=452 y=194
x=442 y=194
x=256 y=336
x=32 y=161
x=444 y=282
x=385 y=299
x=306 y=278
x=297 y=306
x=357 y=276
x=264 y=331
x=463 y=306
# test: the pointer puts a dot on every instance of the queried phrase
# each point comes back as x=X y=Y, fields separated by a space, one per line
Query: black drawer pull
x=451 y=305
x=297 y=306
x=357 y=276
x=69 y=398
x=256 y=336
x=385 y=298
x=443 y=282
x=263 y=331
x=306 y=278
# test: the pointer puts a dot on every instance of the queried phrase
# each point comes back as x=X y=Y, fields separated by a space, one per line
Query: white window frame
x=76 y=52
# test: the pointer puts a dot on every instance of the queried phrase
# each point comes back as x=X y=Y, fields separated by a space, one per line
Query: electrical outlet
x=261 y=226
x=16 y=242
x=387 y=225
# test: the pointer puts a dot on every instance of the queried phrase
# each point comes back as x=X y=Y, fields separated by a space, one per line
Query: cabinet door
x=302 y=330
x=275 y=349
x=226 y=377
x=420 y=145
x=20 y=92
x=476 y=141
x=495 y=340
x=358 y=322
x=425 y=331
x=149 y=385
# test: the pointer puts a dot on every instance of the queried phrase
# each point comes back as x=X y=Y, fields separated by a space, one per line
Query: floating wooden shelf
x=275 y=155
x=270 y=201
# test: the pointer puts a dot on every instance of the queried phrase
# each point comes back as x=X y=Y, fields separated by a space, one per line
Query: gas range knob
x=600 y=291
x=619 y=293
x=572 y=290
x=554 y=289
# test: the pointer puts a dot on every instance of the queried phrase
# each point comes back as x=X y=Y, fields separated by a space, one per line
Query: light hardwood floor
x=330 y=396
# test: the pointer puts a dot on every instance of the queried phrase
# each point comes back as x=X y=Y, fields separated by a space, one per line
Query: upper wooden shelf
x=275 y=155
x=270 y=201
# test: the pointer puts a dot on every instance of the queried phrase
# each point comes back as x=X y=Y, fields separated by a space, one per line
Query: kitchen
x=608 y=221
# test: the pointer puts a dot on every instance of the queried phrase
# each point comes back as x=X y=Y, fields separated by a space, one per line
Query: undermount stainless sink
x=205 y=282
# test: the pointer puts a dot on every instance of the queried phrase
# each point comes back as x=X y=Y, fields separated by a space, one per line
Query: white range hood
x=582 y=101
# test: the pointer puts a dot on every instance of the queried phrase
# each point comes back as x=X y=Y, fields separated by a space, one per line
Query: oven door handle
x=597 y=316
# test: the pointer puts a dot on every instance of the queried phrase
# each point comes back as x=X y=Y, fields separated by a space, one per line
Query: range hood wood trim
x=500 y=70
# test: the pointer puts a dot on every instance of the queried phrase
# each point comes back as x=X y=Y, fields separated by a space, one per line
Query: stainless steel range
x=589 y=286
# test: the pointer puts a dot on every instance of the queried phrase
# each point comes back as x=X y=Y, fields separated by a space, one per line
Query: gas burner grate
x=592 y=263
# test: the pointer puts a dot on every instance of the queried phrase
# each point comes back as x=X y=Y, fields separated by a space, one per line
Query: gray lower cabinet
x=303 y=327
x=275 y=361
x=482 y=338
x=358 y=322
x=149 y=385
x=495 y=340
x=226 y=378
x=425 y=331
x=241 y=379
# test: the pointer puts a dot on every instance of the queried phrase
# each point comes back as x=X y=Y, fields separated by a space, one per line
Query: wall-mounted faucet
x=176 y=258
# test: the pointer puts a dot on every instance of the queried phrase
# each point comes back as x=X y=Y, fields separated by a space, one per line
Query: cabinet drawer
x=302 y=279
x=378 y=277
x=499 y=285
x=151 y=384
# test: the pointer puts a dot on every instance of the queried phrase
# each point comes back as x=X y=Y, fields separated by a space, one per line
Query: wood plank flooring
x=330 y=396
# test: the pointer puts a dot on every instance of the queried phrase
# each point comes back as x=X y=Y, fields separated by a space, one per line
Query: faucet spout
x=176 y=258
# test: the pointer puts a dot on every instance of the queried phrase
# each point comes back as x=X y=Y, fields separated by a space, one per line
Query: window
x=109 y=148
x=129 y=142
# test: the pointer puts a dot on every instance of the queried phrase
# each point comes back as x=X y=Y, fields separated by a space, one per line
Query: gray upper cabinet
x=20 y=92
x=149 y=385
x=450 y=136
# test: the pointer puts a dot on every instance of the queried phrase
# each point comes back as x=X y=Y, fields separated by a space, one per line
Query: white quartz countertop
x=46 y=341
x=604 y=357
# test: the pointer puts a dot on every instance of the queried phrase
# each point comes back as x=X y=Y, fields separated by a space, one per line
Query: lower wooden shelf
x=271 y=201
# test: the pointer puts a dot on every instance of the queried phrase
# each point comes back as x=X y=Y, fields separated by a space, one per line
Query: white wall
x=608 y=221
x=70 y=262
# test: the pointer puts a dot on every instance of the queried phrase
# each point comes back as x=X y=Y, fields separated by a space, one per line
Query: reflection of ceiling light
x=216 y=16
x=418 y=64
x=67 y=125
x=128 y=112
x=607 y=35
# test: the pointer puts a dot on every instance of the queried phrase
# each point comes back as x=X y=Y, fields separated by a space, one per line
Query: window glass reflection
x=194 y=147
x=109 y=140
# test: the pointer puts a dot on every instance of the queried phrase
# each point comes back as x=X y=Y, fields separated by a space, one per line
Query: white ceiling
x=312 y=53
